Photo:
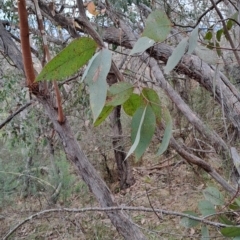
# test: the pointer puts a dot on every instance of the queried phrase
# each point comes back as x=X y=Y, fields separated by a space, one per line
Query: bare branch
x=121 y=208
x=14 y=114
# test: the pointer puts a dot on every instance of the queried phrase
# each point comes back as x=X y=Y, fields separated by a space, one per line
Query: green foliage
x=151 y=97
x=158 y=26
x=167 y=133
x=230 y=231
x=119 y=93
x=204 y=233
x=69 y=60
x=103 y=115
x=132 y=104
x=142 y=130
x=141 y=45
x=206 y=208
x=64 y=177
x=96 y=80
x=213 y=195
x=188 y=222
x=193 y=40
x=176 y=56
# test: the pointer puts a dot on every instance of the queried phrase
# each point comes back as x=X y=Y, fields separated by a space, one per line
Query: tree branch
x=121 y=208
x=14 y=114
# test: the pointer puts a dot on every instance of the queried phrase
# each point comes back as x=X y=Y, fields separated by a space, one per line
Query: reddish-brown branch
x=25 y=44
x=48 y=58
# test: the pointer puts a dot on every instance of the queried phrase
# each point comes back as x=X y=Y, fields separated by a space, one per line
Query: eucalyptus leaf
x=141 y=45
x=167 y=133
x=193 y=40
x=96 y=80
x=176 y=56
x=205 y=233
x=213 y=195
x=158 y=26
x=69 y=60
x=230 y=231
x=138 y=134
x=206 y=208
x=132 y=104
x=147 y=130
x=188 y=222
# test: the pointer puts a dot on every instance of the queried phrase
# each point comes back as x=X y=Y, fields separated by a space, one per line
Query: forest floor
x=170 y=184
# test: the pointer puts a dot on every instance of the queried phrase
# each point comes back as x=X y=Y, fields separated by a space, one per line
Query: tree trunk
x=123 y=223
x=124 y=169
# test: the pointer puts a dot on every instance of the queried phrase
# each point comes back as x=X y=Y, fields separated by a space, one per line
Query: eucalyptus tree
x=155 y=41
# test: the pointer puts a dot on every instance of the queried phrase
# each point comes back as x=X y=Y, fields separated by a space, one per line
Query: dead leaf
x=92 y=8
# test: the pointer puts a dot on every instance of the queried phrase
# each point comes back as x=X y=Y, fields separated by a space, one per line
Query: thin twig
x=14 y=114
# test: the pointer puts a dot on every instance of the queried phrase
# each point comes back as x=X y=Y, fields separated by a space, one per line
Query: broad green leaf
x=207 y=55
x=119 y=93
x=176 y=56
x=219 y=34
x=96 y=80
x=132 y=104
x=167 y=133
x=153 y=100
x=193 y=40
x=141 y=112
x=158 y=26
x=147 y=129
x=141 y=45
x=206 y=208
x=69 y=60
x=103 y=115
x=235 y=205
x=205 y=233
x=208 y=35
x=89 y=65
x=225 y=220
x=187 y=222
x=218 y=49
x=231 y=231
x=213 y=195
x=229 y=24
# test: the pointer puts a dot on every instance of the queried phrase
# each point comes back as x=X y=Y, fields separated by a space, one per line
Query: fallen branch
x=120 y=208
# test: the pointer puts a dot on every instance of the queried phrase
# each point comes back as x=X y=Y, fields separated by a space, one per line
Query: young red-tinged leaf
x=119 y=93
x=188 y=222
x=147 y=129
x=213 y=195
x=132 y=104
x=153 y=100
x=69 y=60
x=96 y=79
x=141 y=115
x=141 y=45
x=167 y=133
x=231 y=231
x=158 y=26
x=176 y=56
x=103 y=115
